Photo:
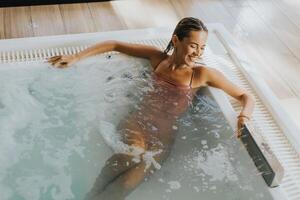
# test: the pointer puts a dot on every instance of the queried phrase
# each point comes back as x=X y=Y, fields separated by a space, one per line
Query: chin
x=190 y=63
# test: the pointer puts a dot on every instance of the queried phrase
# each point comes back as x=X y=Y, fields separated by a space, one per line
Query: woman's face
x=189 y=49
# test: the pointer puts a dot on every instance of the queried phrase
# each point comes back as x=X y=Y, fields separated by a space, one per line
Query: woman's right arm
x=98 y=48
x=144 y=51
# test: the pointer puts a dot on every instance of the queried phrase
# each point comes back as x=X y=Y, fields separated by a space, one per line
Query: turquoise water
x=52 y=147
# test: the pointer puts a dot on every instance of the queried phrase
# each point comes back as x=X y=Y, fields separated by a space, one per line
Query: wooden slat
x=146 y=13
x=44 y=17
x=264 y=49
x=2 y=35
x=105 y=17
x=17 y=22
x=221 y=15
x=279 y=23
x=236 y=3
x=291 y=9
x=77 y=18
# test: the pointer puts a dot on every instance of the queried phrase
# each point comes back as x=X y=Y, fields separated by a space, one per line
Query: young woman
x=176 y=77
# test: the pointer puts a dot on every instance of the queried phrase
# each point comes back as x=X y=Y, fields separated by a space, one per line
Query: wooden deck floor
x=268 y=31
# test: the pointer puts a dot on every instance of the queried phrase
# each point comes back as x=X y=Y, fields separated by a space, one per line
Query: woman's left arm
x=216 y=79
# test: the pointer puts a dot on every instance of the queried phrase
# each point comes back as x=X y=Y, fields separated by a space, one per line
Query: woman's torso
x=161 y=106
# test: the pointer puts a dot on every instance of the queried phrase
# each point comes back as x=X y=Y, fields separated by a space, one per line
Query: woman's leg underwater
x=125 y=183
x=133 y=142
x=122 y=172
x=114 y=167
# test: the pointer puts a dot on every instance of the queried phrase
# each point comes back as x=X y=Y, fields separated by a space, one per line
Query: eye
x=194 y=46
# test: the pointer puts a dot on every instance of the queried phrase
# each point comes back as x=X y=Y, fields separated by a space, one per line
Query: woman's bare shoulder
x=200 y=76
x=202 y=70
x=204 y=74
x=157 y=59
x=207 y=71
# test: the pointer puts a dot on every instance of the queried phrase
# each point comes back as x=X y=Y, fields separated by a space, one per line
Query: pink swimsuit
x=167 y=99
x=179 y=86
x=158 y=111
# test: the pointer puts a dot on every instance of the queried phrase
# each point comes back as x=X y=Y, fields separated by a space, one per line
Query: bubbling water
x=58 y=127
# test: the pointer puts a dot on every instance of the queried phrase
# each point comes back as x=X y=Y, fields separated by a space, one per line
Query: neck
x=175 y=63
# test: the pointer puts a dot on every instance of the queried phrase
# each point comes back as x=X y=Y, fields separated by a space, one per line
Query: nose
x=198 y=53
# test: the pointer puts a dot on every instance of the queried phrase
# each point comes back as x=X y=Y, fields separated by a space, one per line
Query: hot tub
x=52 y=146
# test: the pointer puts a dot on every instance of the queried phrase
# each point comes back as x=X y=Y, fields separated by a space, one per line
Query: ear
x=175 y=40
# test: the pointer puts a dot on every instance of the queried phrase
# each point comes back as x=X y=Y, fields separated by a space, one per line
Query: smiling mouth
x=194 y=59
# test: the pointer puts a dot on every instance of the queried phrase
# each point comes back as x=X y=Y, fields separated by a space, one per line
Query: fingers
x=61 y=64
x=240 y=127
x=239 y=132
x=58 y=61
x=54 y=59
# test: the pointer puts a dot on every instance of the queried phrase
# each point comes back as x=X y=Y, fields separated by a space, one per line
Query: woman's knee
x=135 y=176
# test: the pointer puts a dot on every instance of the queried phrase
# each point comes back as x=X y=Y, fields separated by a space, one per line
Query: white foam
x=112 y=138
x=214 y=162
x=17 y=112
x=174 y=185
x=36 y=98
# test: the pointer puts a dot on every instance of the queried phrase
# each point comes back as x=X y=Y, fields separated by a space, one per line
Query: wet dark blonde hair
x=183 y=29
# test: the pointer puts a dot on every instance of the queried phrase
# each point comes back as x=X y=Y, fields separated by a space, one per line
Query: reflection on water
x=58 y=127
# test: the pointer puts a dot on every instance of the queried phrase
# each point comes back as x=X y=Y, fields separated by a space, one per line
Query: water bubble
x=174 y=185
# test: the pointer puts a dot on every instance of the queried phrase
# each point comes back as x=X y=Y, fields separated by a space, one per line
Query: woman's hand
x=240 y=124
x=62 y=61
